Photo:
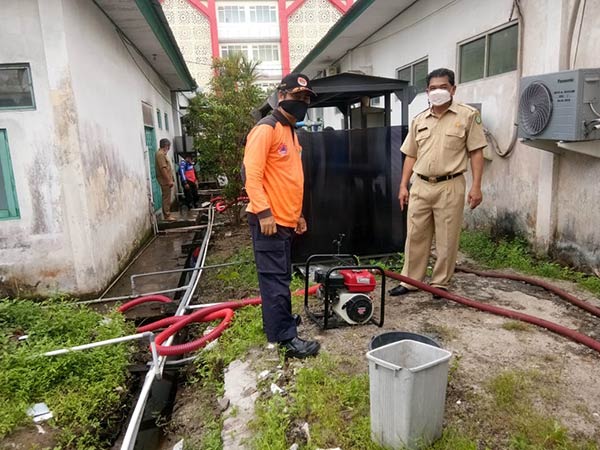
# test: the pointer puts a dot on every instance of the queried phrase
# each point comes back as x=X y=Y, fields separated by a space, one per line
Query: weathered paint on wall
x=79 y=159
x=546 y=197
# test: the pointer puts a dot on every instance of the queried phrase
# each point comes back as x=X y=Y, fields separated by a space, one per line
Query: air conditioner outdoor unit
x=561 y=106
x=330 y=71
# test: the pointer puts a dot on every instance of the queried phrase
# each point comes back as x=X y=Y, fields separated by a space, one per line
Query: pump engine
x=348 y=293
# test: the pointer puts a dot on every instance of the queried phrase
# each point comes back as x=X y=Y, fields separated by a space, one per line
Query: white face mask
x=439 y=97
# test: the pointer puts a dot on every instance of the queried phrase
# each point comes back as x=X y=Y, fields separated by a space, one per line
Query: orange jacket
x=272 y=171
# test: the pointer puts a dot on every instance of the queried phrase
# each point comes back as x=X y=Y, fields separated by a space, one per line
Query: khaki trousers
x=433 y=209
x=166 y=199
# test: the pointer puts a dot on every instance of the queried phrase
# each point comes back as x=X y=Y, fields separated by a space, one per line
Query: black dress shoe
x=399 y=290
x=297 y=319
x=299 y=348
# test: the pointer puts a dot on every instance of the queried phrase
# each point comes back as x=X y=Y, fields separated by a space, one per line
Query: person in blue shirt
x=187 y=175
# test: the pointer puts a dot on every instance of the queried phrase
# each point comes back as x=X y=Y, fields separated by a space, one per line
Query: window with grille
x=232 y=14
x=415 y=74
x=491 y=54
x=16 y=87
x=263 y=14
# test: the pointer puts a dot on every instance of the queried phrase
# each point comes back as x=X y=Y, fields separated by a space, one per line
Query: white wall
x=532 y=191
x=35 y=249
x=80 y=161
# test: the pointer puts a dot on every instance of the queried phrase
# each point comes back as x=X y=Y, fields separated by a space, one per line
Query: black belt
x=438 y=179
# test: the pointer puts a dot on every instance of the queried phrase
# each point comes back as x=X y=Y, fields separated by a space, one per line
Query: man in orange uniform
x=274 y=181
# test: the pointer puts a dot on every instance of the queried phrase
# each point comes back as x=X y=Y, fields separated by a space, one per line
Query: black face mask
x=296 y=108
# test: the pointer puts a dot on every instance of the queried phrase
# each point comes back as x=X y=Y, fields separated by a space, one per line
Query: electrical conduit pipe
x=551 y=326
x=145 y=299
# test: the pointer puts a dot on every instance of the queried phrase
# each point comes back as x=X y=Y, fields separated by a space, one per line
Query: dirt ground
x=481 y=347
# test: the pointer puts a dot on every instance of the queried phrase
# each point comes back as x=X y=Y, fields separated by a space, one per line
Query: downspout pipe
x=551 y=326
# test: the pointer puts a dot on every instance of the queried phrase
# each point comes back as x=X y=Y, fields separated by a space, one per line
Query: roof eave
x=340 y=26
x=154 y=15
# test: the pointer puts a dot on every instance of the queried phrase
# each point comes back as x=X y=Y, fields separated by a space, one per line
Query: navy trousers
x=274 y=268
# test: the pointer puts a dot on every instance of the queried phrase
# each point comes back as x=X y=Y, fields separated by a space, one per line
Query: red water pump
x=345 y=291
x=349 y=291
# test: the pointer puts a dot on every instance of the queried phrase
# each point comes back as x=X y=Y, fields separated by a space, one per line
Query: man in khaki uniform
x=164 y=176
x=440 y=141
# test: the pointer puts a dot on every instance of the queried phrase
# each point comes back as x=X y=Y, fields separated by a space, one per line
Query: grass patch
x=515 y=409
x=242 y=275
x=85 y=390
x=516 y=254
x=335 y=405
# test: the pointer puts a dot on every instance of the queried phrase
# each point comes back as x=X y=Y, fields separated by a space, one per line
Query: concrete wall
x=79 y=159
x=35 y=249
x=531 y=192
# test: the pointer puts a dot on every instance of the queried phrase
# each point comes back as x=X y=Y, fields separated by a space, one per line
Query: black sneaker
x=299 y=348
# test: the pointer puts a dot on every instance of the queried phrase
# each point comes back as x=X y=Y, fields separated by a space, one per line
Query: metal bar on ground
x=187 y=229
x=157 y=369
x=132 y=296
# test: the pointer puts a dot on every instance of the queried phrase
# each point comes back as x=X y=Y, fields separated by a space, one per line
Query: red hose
x=162 y=323
x=198 y=316
x=562 y=294
x=176 y=323
x=138 y=301
x=551 y=326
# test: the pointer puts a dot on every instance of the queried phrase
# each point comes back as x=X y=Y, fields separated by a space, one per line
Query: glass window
x=9 y=208
x=419 y=80
x=158 y=119
x=415 y=74
x=405 y=74
x=263 y=14
x=502 y=55
x=16 y=88
x=489 y=55
x=166 y=122
x=472 y=59
x=265 y=53
x=232 y=14
x=231 y=49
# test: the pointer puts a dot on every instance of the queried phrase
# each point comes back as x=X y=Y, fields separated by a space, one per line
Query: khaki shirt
x=441 y=144
x=162 y=162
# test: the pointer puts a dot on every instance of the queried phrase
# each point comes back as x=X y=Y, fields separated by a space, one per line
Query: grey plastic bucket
x=407 y=382
x=394 y=336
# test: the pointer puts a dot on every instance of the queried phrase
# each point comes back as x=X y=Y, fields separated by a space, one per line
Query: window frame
x=271 y=11
x=241 y=13
x=411 y=66
x=486 y=55
x=245 y=50
x=10 y=187
x=27 y=67
x=270 y=47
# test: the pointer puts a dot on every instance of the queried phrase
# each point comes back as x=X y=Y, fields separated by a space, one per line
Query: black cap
x=296 y=82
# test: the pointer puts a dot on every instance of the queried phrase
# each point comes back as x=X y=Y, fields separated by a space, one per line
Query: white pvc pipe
x=118 y=340
x=157 y=368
